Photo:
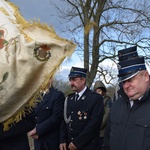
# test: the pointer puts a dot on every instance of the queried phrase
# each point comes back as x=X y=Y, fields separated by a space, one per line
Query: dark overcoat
x=86 y=118
x=49 y=115
x=16 y=137
x=128 y=127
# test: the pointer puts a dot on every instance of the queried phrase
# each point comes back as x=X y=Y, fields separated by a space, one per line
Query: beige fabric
x=30 y=53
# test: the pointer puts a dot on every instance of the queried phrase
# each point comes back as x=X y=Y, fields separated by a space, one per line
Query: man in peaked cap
x=82 y=115
x=128 y=127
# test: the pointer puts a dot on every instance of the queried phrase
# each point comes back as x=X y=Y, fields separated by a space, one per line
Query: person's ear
x=146 y=74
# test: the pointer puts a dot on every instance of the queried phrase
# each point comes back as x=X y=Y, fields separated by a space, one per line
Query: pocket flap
x=143 y=122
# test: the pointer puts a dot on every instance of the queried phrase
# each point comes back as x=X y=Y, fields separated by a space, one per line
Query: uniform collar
x=81 y=93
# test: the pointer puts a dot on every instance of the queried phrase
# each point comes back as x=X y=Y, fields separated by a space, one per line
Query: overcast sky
x=39 y=9
x=43 y=10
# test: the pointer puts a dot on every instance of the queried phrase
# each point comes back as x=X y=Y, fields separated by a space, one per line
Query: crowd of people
x=88 y=119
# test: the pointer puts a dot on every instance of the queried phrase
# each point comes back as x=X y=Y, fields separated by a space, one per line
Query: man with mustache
x=83 y=113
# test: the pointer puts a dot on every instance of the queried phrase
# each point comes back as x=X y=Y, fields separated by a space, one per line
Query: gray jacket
x=107 y=104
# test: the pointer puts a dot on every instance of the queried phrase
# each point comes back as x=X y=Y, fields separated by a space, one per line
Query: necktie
x=135 y=102
x=76 y=97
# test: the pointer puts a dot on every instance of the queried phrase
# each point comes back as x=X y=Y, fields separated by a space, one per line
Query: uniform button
x=46 y=107
x=71 y=138
x=72 y=112
x=35 y=117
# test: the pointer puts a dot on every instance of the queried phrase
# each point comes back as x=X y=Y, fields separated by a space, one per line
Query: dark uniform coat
x=16 y=137
x=49 y=115
x=129 y=128
x=84 y=125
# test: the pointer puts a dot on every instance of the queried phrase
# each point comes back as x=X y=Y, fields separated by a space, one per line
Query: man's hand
x=72 y=146
x=63 y=146
x=33 y=134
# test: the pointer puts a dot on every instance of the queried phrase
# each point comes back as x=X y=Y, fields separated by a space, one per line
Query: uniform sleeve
x=93 y=126
x=63 y=132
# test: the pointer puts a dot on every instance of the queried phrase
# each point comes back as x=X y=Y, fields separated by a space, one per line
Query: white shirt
x=81 y=93
x=132 y=101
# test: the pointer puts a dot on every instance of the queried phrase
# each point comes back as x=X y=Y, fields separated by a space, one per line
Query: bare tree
x=63 y=86
x=102 y=27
